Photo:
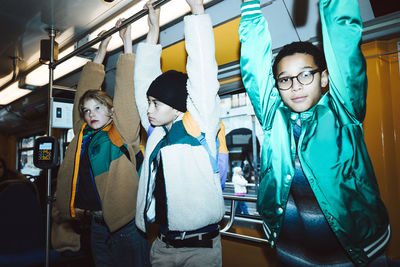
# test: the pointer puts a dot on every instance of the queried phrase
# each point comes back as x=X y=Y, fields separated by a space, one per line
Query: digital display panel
x=45 y=152
x=45 y=146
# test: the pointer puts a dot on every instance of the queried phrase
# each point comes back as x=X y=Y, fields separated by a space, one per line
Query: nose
x=150 y=109
x=296 y=85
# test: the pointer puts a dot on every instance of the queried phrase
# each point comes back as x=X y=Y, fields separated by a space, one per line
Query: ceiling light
x=40 y=76
x=5 y=79
x=169 y=12
x=11 y=93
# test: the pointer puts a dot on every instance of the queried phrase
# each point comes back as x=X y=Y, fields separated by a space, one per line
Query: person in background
x=98 y=176
x=180 y=182
x=318 y=194
x=240 y=184
x=8 y=176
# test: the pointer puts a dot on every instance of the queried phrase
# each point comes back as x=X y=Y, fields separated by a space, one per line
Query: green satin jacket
x=331 y=146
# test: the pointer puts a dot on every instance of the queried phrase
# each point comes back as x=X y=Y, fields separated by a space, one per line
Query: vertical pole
x=255 y=152
x=52 y=35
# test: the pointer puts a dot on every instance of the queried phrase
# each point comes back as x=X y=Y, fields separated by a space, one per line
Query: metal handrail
x=108 y=33
x=246 y=199
x=224 y=231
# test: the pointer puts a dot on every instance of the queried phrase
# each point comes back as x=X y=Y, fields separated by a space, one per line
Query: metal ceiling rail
x=108 y=33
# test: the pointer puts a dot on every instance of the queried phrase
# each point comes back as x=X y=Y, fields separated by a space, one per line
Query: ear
x=177 y=112
x=324 y=78
x=111 y=111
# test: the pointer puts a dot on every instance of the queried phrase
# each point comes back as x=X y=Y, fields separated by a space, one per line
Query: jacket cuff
x=251 y=9
x=94 y=66
x=126 y=57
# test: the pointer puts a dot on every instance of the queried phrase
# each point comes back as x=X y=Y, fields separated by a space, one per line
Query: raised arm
x=202 y=69
x=196 y=6
x=256 y=62
x=126 y=36
x=92 y=77
x=342 y=31
x=153 y=21
x=147 y=66
x=126 y=116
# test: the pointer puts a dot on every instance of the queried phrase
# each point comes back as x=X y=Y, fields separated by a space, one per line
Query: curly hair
x=301 y=48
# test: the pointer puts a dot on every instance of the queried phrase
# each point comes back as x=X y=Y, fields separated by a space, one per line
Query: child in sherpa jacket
x=180 y=186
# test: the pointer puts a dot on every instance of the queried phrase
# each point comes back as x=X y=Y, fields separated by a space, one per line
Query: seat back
x=21 y=223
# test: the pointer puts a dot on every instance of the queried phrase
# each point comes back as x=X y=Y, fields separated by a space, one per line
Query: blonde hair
x=97 y=95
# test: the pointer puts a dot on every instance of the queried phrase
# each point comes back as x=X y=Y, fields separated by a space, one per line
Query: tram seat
x=22 y=227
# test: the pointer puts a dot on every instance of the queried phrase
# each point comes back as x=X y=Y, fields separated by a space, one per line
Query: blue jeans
x=125 y=247
x=241 y=206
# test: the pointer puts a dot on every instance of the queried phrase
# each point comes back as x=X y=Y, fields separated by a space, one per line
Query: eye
x=97 y=107
x=305 y=74
x=85 y=111
x=284 y=80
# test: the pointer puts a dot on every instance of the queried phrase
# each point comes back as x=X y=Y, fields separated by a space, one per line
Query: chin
x=96 y=126
x=300 y=109
x=297 y=110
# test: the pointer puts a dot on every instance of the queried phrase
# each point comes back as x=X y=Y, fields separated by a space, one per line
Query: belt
x=96 y=213
x=98 y=217
x=202 y=240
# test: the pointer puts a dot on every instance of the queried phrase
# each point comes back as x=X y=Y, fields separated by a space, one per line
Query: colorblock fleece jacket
x=115 y=175
x=193 y=188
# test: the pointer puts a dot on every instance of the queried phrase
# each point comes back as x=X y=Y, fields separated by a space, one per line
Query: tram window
x=68 y=136
x=28 y=142
x=25 y=157
x=241 y=127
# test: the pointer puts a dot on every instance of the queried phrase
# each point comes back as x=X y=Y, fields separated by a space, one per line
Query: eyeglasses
x=304 y=77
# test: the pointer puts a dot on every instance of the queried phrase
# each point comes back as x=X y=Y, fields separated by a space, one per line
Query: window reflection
x=243 y=139
x=25 y=155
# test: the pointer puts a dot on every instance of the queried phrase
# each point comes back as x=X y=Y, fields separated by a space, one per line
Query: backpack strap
x=116 y=140
x=219 y=164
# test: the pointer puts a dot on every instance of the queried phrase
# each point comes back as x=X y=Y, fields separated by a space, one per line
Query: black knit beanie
x=170 y=88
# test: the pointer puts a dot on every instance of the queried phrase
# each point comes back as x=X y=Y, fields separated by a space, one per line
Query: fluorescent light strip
x=40 y=76
x=6 y=79
x=169 y=12
x=11 y=93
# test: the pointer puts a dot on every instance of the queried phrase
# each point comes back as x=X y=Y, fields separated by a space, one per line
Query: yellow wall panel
x=382 y=127
x=227 y=44
x=226 y=48
x=174 y=57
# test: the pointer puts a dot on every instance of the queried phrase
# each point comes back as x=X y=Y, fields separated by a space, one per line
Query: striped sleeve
x=251 y=9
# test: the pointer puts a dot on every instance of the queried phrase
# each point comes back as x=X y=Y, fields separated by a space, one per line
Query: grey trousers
x=162 y=255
